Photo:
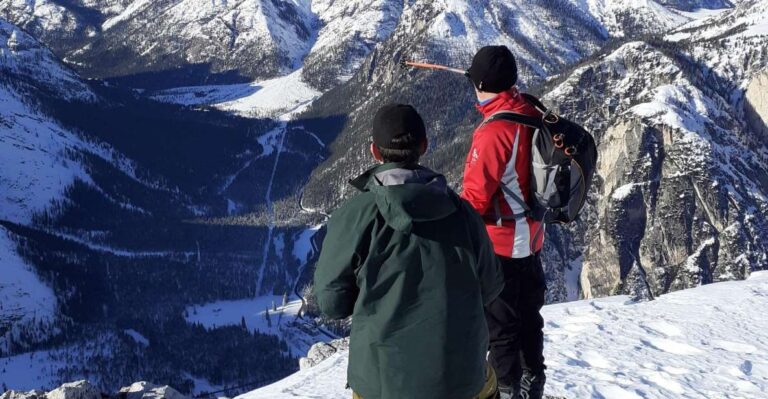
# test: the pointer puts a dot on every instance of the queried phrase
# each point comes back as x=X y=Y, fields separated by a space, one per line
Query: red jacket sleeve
x=485 y=165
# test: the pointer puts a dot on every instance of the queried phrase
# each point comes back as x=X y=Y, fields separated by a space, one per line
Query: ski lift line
x=434 y=67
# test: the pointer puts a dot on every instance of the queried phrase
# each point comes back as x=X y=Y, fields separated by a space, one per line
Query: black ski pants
x=515 y=325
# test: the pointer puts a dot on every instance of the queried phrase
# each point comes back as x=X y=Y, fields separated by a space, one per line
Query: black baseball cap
x=394 y=121
x=493 y=69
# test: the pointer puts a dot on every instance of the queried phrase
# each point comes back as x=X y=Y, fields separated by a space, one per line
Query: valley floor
x=706 y=342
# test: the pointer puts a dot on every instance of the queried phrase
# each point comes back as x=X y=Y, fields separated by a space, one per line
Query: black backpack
x=564 y=158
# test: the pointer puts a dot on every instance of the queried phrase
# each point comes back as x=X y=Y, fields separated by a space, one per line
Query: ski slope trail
x=277 y=135
x=706 y=342
x=283 y=130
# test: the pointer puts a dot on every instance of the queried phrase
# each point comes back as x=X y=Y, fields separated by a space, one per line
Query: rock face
x=756 y=104
x=321 y=351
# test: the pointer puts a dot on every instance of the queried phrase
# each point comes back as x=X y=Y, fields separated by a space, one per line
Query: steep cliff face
x=756 y=104
x=682 y=196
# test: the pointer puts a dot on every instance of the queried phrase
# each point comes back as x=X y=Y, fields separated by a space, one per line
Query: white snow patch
x=624 y=351
x=623 y=191
x=126 y=14
x=302 y=246
x=45 y=369
x=254 y=310
x=266 y=98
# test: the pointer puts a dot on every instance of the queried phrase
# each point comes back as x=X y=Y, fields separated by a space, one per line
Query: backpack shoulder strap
x=525 y=120
x=533 y=100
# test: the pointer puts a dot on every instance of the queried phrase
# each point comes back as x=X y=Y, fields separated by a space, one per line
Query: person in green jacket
x=412 y=263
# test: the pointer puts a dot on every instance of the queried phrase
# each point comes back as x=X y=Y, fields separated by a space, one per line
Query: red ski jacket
x=501 y=152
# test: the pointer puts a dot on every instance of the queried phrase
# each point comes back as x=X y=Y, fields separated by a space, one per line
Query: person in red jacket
x=497 y=181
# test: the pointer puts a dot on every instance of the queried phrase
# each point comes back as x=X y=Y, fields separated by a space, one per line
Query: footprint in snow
x=614 y=392
x=675 y=370
x=596 y=360
x=585 y=318
x=736 y=347
x=663 y=328
x=669 y=346
x=664 y=381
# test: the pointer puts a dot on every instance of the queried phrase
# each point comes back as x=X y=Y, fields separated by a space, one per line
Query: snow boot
x=532 y=385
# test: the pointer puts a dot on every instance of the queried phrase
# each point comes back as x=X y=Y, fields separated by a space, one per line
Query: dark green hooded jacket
x=413 y=265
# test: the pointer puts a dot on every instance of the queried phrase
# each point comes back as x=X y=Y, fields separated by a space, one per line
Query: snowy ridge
x=748 y=19
x=645 y=15
x=682 y=345
x=23 y=58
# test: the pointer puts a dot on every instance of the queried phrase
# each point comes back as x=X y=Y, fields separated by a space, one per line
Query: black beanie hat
x=493 y=69
x=395 y=121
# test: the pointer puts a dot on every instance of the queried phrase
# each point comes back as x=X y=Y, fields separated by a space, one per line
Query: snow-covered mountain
x=681 y=194
x=198 y=41
x=706 y=342
x=97 y=221
x=218 y=41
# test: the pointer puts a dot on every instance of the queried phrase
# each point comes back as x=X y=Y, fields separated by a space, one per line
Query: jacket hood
x=407 y=193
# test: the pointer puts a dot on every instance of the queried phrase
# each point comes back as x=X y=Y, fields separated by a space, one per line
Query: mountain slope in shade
x=28 y=307
x=682 y=345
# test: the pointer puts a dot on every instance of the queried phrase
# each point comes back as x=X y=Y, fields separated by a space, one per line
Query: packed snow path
x=707 y=342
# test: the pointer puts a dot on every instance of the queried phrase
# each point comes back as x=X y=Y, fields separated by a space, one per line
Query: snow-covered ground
x=254 y=310
x=46 y=369
x=706 y=342
x=259 y=314
x=266 y=98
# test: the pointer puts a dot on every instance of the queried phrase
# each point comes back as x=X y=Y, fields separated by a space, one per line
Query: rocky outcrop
x=85 y=390
x=146 y=390
x=321 y=351
x=74 y=390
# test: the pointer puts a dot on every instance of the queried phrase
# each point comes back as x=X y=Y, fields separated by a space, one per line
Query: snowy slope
x=33 y=169
x=27 y=305
x=707 y=342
